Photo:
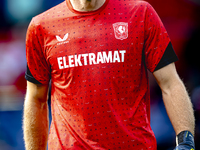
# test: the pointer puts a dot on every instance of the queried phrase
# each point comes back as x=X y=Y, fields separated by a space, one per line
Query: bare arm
x=176 y=99
x=36 y=117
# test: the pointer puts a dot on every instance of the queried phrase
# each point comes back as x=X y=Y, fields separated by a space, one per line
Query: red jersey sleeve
x=35 y=54
x=156 y=38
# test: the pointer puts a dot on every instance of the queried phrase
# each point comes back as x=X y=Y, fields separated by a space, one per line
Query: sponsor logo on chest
x=91 y=59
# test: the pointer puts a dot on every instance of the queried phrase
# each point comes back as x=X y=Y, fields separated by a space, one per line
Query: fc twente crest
x=121 y=30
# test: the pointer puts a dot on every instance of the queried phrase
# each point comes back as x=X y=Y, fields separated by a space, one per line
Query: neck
x=87 y=5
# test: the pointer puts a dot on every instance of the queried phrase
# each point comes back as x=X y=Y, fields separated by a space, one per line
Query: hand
x=185 y=141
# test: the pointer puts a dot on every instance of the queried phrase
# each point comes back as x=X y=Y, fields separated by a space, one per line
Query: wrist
x=185 y=138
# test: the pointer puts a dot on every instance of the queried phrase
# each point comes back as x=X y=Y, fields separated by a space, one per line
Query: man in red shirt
x=96 y=54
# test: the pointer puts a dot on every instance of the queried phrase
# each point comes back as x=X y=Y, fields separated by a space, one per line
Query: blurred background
x=182 y=21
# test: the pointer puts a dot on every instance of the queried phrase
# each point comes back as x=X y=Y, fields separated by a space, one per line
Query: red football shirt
x=97 y=63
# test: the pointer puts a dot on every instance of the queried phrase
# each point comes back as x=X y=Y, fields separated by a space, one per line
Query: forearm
x=35 y=124
x=179 y=107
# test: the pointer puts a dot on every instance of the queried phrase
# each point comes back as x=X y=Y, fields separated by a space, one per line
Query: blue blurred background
x=182 y=21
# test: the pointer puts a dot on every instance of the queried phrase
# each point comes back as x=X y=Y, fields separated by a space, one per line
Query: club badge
x=121 y=30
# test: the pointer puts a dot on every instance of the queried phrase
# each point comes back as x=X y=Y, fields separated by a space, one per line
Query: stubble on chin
x=89 y=3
